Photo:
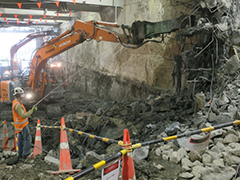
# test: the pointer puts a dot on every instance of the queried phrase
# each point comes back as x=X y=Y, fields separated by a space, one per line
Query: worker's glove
x=34 y=108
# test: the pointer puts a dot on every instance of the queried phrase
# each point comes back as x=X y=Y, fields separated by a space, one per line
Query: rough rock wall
x=129 y=69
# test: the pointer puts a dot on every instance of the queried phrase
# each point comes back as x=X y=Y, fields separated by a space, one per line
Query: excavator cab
x=55 y=80
x=23 y=76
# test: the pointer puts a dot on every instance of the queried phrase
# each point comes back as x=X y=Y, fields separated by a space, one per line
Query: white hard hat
x=17 y=90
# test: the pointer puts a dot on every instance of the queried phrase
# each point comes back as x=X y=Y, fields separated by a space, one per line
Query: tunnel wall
x=125 y=73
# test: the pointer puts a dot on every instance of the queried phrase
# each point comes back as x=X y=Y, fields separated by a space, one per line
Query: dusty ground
x=34 y=169
x=38 y=169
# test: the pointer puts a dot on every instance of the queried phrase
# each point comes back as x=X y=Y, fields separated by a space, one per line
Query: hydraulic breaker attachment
x=142 y=30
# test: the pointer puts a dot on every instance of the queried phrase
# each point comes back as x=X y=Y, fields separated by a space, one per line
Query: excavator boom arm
x=81 y=31
x=24 y=41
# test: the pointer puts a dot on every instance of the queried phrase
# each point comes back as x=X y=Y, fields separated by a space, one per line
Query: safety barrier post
x=38 y=141
x=5 y=143
x=65 y=165
x=15 y=147
x=128 y=171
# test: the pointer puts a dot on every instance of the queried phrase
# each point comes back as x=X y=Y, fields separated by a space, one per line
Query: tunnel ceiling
x=45 y=13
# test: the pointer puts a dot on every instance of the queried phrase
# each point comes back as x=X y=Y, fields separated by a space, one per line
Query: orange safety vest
x=19 y=122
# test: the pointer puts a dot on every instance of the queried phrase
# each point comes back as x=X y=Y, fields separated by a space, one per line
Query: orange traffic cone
x=5 y=143
x=65 y=165
x=38 y=141
x=128 y=171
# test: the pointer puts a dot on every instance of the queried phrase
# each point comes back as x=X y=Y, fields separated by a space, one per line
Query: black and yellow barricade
x=207 y=129
x=139 y=145
x=86 y=134
x=99 y=165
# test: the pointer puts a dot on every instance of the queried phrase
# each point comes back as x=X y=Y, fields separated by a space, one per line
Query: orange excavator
x=9 y=72
x=14 y=65
x=133 y=36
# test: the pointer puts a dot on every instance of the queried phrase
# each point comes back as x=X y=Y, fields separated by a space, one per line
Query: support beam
x=49 y=11
x=31 y=24
x=109 y=3
x=24 y=13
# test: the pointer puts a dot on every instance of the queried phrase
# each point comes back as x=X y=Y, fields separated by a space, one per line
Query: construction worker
x=20 y=118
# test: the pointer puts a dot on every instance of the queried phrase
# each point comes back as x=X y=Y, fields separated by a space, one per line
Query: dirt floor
x=33 y=169
x=12 y=168
x=38 y=168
